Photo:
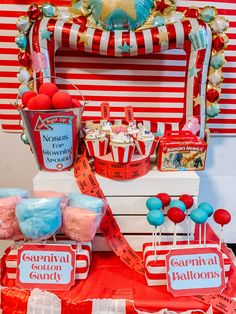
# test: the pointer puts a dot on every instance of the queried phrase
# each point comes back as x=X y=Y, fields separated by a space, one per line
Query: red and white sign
x=195 y=271
x=50 y=267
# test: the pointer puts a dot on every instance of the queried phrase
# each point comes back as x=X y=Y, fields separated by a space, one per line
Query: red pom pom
x=48 y=89
x=61 y=100
x=176 y=215
x=212 y=95
x=27 y=96
x=165 y=198
x=187 y=200
x=76 y=103
x=222 y=217
x=40 y=102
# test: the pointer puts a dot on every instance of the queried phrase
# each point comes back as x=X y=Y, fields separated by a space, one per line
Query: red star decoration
x=161 y=6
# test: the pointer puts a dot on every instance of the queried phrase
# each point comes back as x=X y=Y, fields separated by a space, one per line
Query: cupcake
x=96 y=143
x=122 y=147
x=145 y=142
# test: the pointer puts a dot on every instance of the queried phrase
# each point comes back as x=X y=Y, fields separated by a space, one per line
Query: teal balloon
x=212 y=110
x=48 y=10
x=208 y=14
x=207 y=207
x=154 y=203
x=179 y=204
x=155 y=218
x=121 y=16
x=22 y=90
x=199 y=216
x=159 y=21
x=25 y=139
x=217 y=61
x=21 y=41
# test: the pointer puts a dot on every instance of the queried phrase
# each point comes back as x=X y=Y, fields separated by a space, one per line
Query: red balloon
x=34 y=12
x=212 y=95
x=192 y=12
x=176 y=215
x=80 y=20
x=187 y=200
x=24 y=58
x=165 y=198
x=218 y=43
x=222 y=217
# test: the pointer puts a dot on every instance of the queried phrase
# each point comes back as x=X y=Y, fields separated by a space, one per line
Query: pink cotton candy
x=50 y=194
x=79 y=224
x=9 y=228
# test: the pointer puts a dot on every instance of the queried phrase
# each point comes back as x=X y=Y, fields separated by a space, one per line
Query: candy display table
x=127 y=200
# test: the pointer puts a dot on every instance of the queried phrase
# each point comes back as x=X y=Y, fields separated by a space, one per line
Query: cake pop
x=155 y=218
x=188 y=202
x=209 y=210
x=222 y=217
x=179 y=204
x=165 y=199
x=176 y=215
x=199 y=216
x=154 y=203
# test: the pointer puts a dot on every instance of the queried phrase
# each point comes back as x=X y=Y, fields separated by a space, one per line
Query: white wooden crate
x=127 y=200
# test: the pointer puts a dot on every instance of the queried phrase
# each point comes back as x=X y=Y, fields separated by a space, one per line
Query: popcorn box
x=122 y=153
x=97 y=147
x=155 y=270
x=146 y=147
x=181 y=151
x=83 y=260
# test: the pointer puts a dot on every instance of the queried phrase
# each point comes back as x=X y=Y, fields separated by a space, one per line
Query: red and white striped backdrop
x=143 y=82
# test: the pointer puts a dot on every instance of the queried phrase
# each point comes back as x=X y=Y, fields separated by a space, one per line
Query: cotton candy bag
x=6 y=192
x=85 y=201
x=39 y=218
x=9 y=227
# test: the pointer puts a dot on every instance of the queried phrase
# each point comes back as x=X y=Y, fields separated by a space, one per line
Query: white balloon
x=220 y=24
x=215 y=78
x=23 y=76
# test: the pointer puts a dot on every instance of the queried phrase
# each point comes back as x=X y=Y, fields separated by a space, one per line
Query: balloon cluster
x=179 y=210
x=219 y=25
x=49 y=97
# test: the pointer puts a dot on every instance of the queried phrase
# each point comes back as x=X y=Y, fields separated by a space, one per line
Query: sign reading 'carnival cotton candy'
x=50 y=267
x=195 y=271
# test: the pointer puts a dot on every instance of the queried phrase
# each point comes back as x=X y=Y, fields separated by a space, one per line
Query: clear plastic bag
x=39 y=218
x=9 y=227
x=6 y=192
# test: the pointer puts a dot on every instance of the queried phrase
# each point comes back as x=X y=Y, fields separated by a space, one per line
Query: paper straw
x=205 y=228
x=174 y=242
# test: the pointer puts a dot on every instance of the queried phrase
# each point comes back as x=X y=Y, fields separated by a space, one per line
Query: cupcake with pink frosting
x=96 y=143
x=122 y=147
x=145 y=142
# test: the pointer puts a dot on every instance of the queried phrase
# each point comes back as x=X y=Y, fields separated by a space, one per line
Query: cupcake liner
x=123 y=153
x=97 y=148
x=146 y=148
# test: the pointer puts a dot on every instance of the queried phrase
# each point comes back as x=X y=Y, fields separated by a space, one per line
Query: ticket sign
x=50 y=267
x=195 y=271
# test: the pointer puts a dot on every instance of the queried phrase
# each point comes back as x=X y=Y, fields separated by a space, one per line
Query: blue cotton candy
x=87 y=202
x=39 y=218
x=6 y=192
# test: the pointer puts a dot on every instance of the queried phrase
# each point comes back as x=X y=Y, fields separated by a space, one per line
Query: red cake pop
x=61 y=100
x=27 y=96
x=48 y=89
x=165 y=198
x=40 y=102
x=187 y=200
x=176 y=215
x=222 y=217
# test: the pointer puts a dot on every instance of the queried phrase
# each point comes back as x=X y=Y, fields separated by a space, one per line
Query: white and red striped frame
x=67 y=35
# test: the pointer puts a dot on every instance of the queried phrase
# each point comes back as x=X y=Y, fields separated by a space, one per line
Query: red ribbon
x=89 y=185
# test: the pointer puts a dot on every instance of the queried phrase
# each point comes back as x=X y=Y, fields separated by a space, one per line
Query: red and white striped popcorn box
x=83 y=260
x=155 y=269
x=122 y=153
x=97 y=147
x=146 y=148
